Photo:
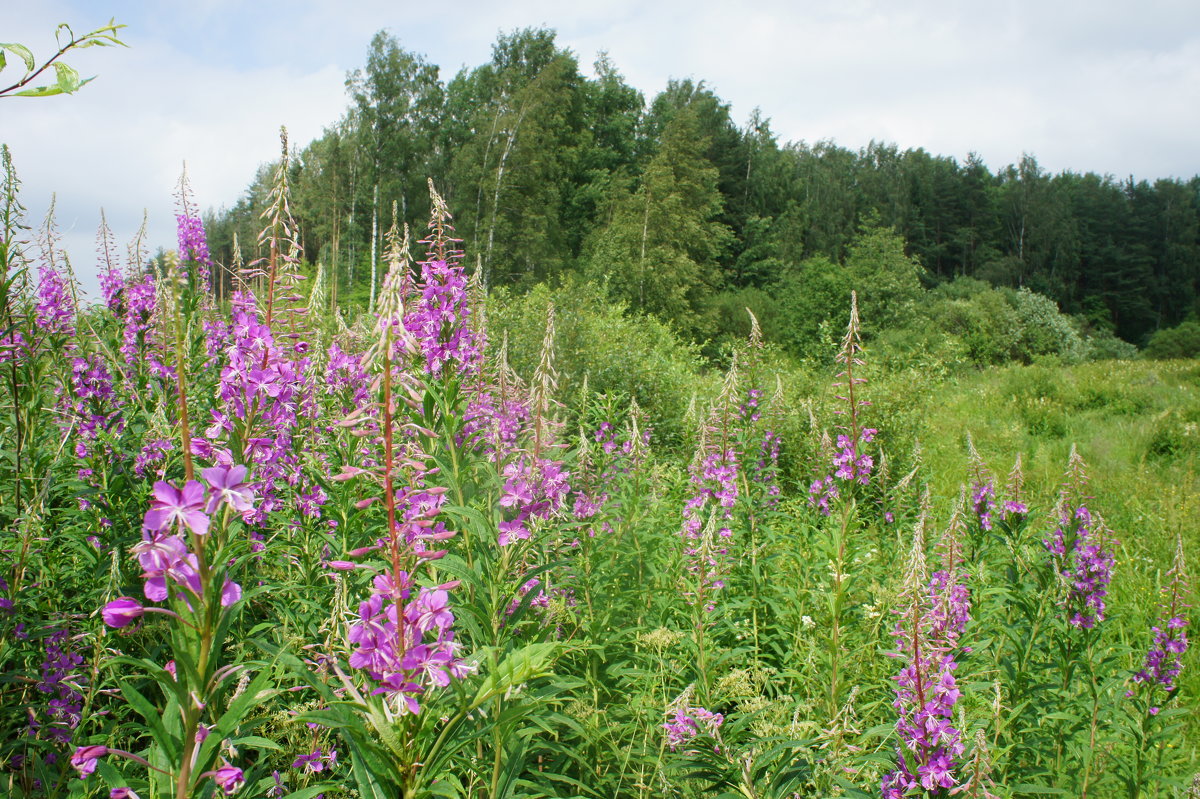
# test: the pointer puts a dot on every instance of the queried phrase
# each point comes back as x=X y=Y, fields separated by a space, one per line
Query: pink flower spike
x=121 y=612
x=342 y=565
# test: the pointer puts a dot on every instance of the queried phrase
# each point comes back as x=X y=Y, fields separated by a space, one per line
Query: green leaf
x=258 y=690
x=153 y=717
x=68 y=77
x=23 y=52
x=312 y=790
x=41 y=91
x=1041 y=790
x=519 y=666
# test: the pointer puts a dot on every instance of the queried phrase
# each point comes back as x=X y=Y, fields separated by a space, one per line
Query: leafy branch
x=67 y=80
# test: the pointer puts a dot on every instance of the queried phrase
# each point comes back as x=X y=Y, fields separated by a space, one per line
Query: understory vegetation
x=535 y=541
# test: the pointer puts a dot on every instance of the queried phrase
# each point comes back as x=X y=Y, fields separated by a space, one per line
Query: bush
x=619 y=354
x=1182 y=341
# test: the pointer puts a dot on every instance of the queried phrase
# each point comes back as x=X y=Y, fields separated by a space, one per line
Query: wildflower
x=231 y=593
x=171 y=505
x=85 y=757
x=926 y=690
x=229 y=779
x=1164 y=660
x=314 y=762
x=122 y=611
x=60 y=680
x=123 y=793
x=687 y=722
x=163 y=556
x=55 y=311
x=228 y=485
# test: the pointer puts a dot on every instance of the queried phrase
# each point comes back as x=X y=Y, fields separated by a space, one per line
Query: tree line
x=676 y=208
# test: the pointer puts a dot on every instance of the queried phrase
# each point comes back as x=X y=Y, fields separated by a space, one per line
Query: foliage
x=482 y=543
x=66 y=78
x=552 y=171
x=1181 y=341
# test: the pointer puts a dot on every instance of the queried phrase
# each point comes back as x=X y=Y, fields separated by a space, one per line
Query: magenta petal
x=121 y=611
x=166 y=493
x=196 y=520
x=156 y=589
x=156 y=519
x=231 y=592
x=193 y=494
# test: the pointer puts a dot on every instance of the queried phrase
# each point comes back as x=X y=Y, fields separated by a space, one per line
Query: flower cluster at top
x=621 y=456
x=193 y=246
x=1164 y=660
x=765 y=470
x=264 y=394
x=393 y=643
x=688 y=723
x=851 y=466
x=440 y=320
x=62 y=683
x=533 y=489
x=984 y=500
x=1082 y=558
x=164 y=555
x=926 y=690
x=55 y=310
x=983 y=503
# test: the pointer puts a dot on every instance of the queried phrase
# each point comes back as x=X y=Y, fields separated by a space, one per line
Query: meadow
x=475 y=544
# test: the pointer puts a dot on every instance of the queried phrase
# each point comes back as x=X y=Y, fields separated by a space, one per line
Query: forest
x=682 y=212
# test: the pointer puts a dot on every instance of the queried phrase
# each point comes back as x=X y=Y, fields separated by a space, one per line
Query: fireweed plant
x=252 y=547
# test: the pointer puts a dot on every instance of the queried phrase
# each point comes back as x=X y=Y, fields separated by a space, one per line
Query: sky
x=1102 y=86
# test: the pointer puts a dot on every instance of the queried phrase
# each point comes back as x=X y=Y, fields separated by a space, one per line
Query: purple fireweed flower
x=688 y=723
x=152 y=456
x=1164 y=660
x=13 y=347
x=112 y=288
x=393 y=645
x=123 y=793
x=983 y=503
x=55 y=311
x=228 y=485
x=162 y=556
x=171 y=505
x=229 y=779
x=315 y=761
x=85 y=757
x=122 y=611
x=193 y=246
x=61 y=681
x=926 y=690
x=440 y=320
x=1082 y=557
